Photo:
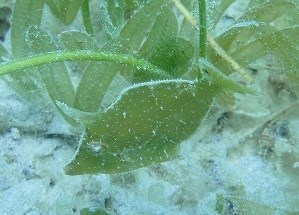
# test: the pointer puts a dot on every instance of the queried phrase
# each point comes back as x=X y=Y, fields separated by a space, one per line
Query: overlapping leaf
x=135 y=38
x=55 y=76
x=65 y=10
x=25 y=14
x=76 y=40
x=115 y=13
x=254 y=35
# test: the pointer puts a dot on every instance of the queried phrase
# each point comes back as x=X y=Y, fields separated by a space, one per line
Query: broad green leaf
x=76 y=40
x=132 y=34
x=85 y=11
x=237 y=35
x=163 y=48
x=287 y=54
x=293 y=33
x=243 y=40
x=270 y=41
x=254 y=3
x=106 y=17
x=173 y=55
x=25 y=14
x=165 y=28
x=69 y=10
x=97 y=78
x=292 y=16
x=65 y=10
x=247 y=43
x=131 y=6
x=216 y=77
x=54 y=5
x=116 y=10
x=115 y=13
x=216 y=10
x=54 y=76
x=261 y=12
x=84 y=118
x=235 y=42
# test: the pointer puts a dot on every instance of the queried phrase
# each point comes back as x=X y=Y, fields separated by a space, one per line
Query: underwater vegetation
x=150 y=70
x=170 y=72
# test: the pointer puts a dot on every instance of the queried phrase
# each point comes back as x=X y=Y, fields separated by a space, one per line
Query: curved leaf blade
x=95 y=81
x=54 y=76
x=69 y=10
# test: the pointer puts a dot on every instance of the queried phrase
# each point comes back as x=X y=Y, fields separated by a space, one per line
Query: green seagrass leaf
x=132 y=34
x=163 y=48
x=236 y=41
x=65 y=10
x=287 y=54
x=111 y=17
x=164 y=29
x=237 y=35
x=76 y=40
x=69 y=10
x=216 y=77
x=216 y=10
x=54 y=76
x=116 y=12
x=85 y=118
x=131 y=6
x=248 y=41
x=25 y=14
x=173 y=56
x=96 y=79
x=54 y=6
x=143 y=127
x=293 y=33
x=268 y=11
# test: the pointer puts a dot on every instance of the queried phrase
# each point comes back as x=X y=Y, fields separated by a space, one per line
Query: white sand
x=253 y=155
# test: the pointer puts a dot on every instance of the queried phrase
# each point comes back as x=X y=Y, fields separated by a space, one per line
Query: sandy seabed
x=247 y=154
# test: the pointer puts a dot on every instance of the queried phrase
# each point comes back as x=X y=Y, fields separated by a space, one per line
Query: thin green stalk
x=202 y=28
x=211 y=41
x=86 y=17
x=38 y=60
